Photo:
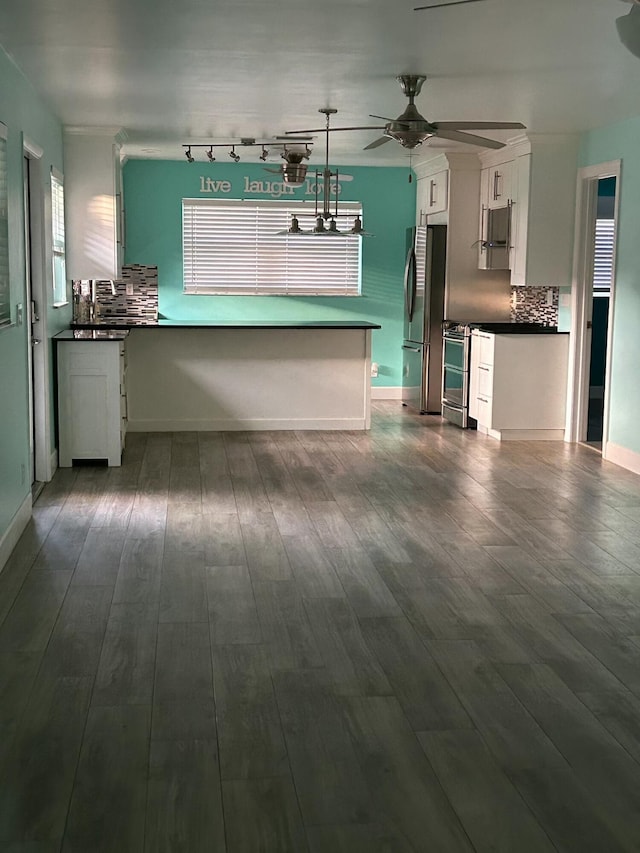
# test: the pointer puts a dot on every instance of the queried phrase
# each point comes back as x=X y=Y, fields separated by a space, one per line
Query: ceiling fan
x=411 y=129
x=628 y=27
x=294 y=170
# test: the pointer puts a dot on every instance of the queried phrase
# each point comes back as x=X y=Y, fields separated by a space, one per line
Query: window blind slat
x=603 y=255
x=232 y=247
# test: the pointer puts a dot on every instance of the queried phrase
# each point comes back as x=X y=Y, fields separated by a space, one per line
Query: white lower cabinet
x=92 y=402
x=518 y=384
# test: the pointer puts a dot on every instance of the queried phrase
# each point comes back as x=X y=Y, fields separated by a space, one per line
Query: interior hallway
x=416 y=639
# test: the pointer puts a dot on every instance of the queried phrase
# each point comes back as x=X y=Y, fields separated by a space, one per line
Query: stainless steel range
x=456 y=357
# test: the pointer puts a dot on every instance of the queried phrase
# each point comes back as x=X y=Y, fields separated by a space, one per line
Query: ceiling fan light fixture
x=294 y=174
x=628 y=27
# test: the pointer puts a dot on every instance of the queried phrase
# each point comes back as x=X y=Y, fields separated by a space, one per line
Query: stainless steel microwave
x=496 y=237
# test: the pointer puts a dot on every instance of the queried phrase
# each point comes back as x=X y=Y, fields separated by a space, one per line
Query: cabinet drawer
x=485 y=380
x=484 y=344
x=485 y=410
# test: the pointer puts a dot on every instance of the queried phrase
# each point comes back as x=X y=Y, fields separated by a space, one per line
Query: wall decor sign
x=275 y=189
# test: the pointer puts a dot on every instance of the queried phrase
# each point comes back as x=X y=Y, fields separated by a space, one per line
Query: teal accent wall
x=24 y=114
x=620 y=141
x=153 y=193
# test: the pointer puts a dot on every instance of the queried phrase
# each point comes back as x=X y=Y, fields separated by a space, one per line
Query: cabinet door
x=520 y=236
x=431 y=196
x=89 y=402
x=499 y=185
x=474 y=376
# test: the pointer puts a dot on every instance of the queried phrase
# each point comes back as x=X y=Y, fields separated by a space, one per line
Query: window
x=57 y=227
x=233 y=247
x=603 y=257
x=5 y=304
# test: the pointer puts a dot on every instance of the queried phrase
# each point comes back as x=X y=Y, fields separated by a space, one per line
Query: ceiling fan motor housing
x=410 y=129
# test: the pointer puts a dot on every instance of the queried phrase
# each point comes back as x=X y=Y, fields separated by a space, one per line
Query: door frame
x=582 y=301
x=43 y=468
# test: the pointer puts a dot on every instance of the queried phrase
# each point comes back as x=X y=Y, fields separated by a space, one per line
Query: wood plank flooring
x=412 y=640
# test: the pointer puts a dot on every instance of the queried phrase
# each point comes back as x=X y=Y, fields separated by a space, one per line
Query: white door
x=35 y=313
x=31 y=316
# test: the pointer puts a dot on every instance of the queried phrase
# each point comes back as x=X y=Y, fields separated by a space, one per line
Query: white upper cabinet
x=496 y=183
x=534 y=178
x=93 y=203
x=431 y=195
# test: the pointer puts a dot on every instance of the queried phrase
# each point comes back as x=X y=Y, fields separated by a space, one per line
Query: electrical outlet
x=374 y=369
x=129 y=288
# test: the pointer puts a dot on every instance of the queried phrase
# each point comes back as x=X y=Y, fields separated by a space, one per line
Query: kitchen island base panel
x=249 y=379
x=523 y=434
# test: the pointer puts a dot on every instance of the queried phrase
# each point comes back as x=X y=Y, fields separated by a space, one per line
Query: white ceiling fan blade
x=439 y=5
x=377 y=142
x=331 y=129
x=479 y=125
x=384 y=118
x=469 y=138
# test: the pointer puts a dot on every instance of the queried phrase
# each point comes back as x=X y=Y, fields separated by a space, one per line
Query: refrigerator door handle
x=410 y=282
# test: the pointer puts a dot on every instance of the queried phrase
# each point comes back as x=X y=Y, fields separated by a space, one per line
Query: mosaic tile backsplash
x=135 y=297
x=535 y=305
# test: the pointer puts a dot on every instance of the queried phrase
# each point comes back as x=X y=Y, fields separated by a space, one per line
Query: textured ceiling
x=194 y=70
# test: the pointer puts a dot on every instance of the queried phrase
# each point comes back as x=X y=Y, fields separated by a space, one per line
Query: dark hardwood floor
x=413 y=639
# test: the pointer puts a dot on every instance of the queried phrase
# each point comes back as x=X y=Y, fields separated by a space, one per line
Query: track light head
x=210 y=155
x=235 y=157
x=187 y=154
x=264 y=154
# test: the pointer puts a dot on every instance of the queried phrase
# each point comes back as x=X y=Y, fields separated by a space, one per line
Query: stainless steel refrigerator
x=424 y=307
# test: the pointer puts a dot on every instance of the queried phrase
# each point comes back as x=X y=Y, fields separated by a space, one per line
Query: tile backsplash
x=535 y=305
x=135 y=297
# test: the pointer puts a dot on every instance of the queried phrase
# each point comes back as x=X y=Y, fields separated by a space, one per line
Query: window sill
x=59 y=304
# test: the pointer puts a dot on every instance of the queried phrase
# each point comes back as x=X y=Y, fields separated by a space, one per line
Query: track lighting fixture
x=289 y=155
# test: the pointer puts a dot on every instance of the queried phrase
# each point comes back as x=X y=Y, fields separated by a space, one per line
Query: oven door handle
x=411 y=349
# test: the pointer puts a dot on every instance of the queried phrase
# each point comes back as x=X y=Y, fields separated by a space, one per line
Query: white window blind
x=603 y=256
x=233 y=247
x=5 y=304
x=58 y=244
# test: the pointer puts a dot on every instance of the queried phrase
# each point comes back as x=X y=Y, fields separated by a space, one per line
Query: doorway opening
x=592 y=304
x=604 y=238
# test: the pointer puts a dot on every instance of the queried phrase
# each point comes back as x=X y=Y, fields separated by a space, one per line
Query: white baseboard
x=389 y=392
x=14 y=531
x=249 y=424
x=622 y=456
x=523 y=434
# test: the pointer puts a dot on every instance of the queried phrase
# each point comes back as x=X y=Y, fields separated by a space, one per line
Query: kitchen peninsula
x=246 y=375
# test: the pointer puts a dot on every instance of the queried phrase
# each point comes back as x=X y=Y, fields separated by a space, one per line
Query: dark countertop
x=227 y=324
x=515 y=328
x=86 y=334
